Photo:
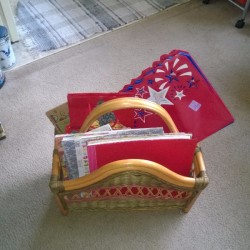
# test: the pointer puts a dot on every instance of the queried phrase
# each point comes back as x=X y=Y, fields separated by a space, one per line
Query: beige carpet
x=219 y=219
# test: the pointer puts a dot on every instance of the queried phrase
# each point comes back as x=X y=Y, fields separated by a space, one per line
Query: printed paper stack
x=73 y=152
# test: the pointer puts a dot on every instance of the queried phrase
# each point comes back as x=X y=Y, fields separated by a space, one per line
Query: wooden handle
x=120 y=166
x=127 y=103
x=138 y=165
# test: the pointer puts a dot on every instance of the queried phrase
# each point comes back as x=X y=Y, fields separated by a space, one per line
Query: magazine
x=74 y=146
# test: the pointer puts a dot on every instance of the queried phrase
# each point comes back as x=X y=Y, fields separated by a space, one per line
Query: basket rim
x=198 y=182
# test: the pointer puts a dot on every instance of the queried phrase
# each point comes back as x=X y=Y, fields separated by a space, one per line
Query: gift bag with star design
x=177 y=83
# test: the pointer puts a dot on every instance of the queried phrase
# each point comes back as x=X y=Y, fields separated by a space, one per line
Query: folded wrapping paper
x=81 y=104
x=177 y=83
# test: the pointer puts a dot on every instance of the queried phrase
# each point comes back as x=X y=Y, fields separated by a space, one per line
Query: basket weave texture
x=131 y=184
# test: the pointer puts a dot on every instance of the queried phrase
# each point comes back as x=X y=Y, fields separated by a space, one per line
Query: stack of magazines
x=83 y=153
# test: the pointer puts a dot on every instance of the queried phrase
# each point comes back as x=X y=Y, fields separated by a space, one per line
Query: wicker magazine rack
x=131 y=184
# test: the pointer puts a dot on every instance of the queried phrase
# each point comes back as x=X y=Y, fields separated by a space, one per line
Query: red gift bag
x=178 y=84
x=80 y=105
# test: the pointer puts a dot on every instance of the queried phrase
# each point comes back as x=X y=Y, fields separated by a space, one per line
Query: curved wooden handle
x=126 y=103
x=143 y=166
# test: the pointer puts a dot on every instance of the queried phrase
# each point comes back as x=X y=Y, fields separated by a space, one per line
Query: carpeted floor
x=220 y=217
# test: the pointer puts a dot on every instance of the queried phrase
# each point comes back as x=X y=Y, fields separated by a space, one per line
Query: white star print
x=179 y=94
x=159 y=97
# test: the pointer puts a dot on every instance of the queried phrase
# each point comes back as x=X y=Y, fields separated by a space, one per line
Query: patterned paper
x=177 y=84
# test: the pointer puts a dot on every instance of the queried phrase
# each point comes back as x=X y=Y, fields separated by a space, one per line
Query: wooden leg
x=61 y=205
x=190 y=203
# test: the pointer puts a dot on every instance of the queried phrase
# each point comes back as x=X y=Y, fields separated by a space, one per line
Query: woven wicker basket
x=135 y=184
